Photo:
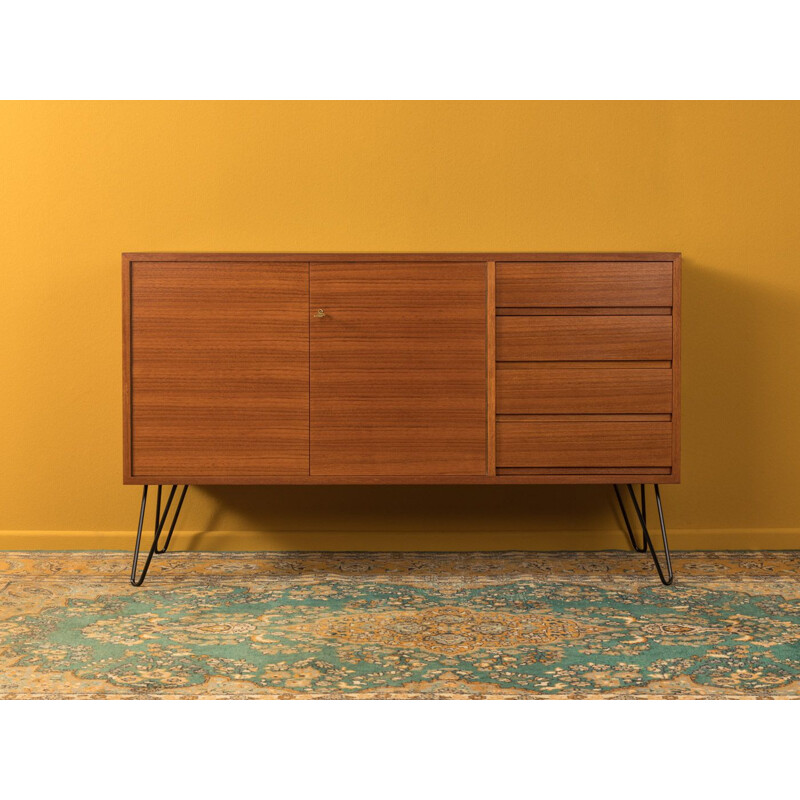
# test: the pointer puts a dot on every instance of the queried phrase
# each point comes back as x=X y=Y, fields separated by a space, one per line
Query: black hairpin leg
x=647 y=542
x=161 y=520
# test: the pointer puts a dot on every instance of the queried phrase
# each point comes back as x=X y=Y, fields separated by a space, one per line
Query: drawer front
x=535 y=389
x=584 y=338
x=580 y=284
x=584 y=444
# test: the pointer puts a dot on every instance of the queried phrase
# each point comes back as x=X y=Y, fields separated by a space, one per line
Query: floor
x=414 y=625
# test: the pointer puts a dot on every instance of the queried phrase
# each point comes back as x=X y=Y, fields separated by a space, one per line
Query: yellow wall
x=81 y=182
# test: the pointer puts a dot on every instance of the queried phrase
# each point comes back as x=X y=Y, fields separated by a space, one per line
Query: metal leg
x=634 y=544
x=174 y=520
x=647 y=542
x=161 y=520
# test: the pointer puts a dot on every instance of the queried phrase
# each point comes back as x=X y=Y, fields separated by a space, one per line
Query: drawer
x=579 y=284
x=583 y=444
x=584 y=338
x=539 y=389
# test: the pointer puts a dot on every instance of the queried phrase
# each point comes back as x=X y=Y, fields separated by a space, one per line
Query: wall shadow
x=741 y=429
x=733 y=350
x=369 y=513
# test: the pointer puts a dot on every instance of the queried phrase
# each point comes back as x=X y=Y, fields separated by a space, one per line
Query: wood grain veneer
x=594 y=311
x=616 y=474
x=584 y=444
x=584 y=417
x=388 y=258
x=491 y=369
x=584 y=283
x=564 y=338
x=398 y=369
x=555 y=390
x=218 y=369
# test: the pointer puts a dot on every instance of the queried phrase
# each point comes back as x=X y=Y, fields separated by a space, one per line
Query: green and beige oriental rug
x=400 y=626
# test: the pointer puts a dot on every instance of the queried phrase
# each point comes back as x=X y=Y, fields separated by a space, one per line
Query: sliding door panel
x=398 y=369
x=219 y=370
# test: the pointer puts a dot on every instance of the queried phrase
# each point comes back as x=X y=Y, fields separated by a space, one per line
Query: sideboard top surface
x=368 y=257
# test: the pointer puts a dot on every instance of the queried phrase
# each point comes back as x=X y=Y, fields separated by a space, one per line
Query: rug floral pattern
x=400 y=626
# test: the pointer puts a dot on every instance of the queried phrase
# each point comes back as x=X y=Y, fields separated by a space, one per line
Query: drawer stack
x=585 y=383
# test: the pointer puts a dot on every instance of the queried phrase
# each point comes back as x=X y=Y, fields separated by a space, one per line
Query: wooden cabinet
x=415 y=368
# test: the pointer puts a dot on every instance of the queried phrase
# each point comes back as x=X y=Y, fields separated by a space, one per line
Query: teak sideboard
x=491 y=368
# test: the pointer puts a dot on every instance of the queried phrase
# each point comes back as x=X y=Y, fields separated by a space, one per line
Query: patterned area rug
x=333 y=625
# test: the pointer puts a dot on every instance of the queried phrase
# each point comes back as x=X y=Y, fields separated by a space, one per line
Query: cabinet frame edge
x=127 y=433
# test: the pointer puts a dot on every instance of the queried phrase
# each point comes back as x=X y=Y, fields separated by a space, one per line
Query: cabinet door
x=219 y=371
x=398 y=369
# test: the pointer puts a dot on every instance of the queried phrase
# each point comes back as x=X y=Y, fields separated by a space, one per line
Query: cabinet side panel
x=491 y=370
x=126 y=369
x=219 y=369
